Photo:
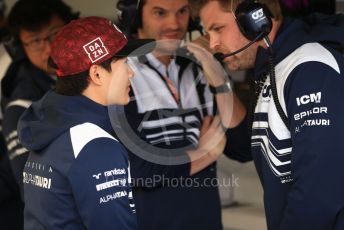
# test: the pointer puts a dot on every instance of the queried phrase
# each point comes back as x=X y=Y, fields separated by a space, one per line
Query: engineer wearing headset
x=298 y=71
x=169 y=115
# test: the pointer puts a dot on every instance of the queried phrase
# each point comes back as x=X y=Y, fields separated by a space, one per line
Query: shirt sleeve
x=100 y=181
x=314 y=93
x=238 y=146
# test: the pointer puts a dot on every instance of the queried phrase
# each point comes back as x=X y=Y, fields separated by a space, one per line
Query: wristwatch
x=224 y=88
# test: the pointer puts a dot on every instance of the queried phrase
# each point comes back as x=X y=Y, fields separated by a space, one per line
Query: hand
x=211 y=145
x=212 y=69
x=203 y=41
x=212 y=137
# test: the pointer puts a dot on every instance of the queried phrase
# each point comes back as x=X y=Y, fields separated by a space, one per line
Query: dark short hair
x=72 y=85
x=76 y=84
x=32 y=15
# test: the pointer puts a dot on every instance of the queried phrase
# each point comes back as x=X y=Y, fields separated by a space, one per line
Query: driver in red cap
x=77 y=175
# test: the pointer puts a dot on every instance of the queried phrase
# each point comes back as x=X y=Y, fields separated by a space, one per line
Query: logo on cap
x=95 y=50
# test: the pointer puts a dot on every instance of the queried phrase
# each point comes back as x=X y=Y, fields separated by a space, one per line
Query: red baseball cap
x=92 y=40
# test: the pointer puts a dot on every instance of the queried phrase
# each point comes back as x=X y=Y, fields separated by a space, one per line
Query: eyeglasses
x=38 y=44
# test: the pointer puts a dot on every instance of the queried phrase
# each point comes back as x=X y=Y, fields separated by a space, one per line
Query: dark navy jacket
x=77 y=175
x=301 y=166
x=22 y=84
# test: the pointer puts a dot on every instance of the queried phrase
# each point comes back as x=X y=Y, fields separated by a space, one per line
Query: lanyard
x=183 y=63
x=169 y=84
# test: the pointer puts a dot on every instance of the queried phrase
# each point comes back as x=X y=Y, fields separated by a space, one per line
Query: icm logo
x=312 y=98
x=266 y=91
x=258 y=14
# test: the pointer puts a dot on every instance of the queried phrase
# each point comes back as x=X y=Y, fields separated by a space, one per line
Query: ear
x=94 y=73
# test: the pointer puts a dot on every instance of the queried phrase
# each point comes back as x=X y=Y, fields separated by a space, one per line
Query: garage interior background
x=107 y=8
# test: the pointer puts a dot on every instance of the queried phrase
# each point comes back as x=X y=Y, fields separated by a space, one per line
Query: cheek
x=120 y=80
x=184 y=21
x=31 y=56
x=151 y=26
x=227 y=42
x=37 y=60
x=233 y=34
x=114 y=93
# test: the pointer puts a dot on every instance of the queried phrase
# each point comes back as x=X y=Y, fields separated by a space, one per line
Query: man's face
x=118 y=85
x=165 y=21
x=37 y=43
x=226 y=37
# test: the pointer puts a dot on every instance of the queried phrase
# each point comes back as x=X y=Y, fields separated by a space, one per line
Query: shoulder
x=309 y=64
x=83 y=134
x=307 y=53
x=93 y=146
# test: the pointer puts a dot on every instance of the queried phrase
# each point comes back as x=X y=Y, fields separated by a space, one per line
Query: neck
x=94 y=96
x=163 y=58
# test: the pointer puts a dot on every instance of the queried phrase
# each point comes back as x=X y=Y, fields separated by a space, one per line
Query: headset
x=3 y=28
x=253 y=19
x=129 y=14
x=2 y=8
x=254 y=22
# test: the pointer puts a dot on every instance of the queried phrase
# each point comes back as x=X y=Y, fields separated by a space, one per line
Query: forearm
x=211 y=145
x=238 y=146
x=231 y=110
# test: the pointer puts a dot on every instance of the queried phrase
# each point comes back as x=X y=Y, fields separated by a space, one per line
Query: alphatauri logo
x=311 y=98
x=258 y=14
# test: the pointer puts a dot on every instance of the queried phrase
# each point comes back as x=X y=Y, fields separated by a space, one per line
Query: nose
x=130 y=71
x=173 y=22
x=47 y=48
x=214 y=42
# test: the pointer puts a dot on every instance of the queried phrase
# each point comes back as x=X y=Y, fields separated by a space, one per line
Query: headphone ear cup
x=253 y=19
x=129 y=17
x=137 y=17
x=195 y=25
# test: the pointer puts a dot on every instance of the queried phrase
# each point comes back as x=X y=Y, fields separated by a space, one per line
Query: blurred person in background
x=33 y=24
